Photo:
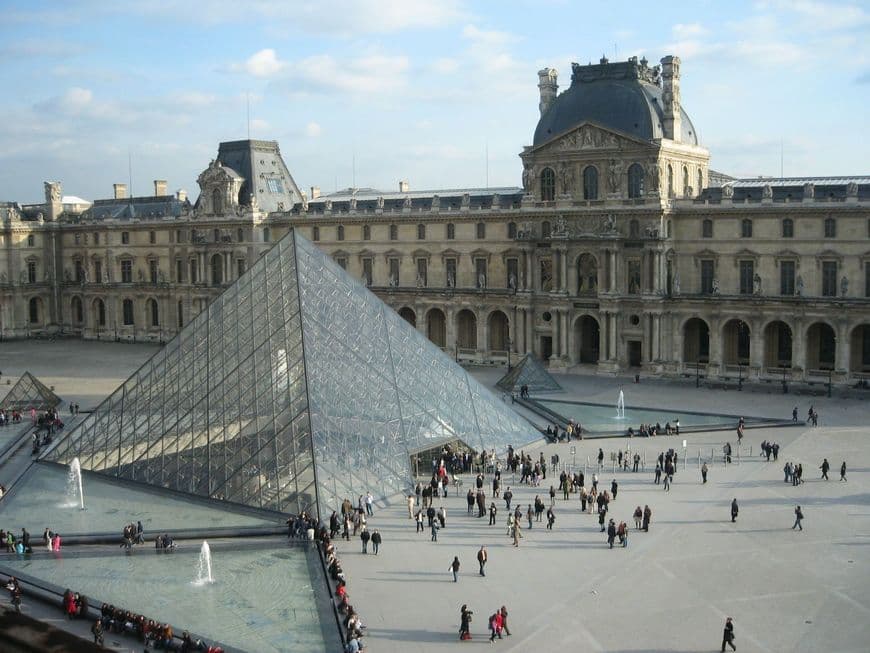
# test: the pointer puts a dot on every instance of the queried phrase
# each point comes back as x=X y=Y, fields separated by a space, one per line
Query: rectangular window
x=480 y=272
x=830 y=228
x=422 y=273
x=788 y=228
x=451 y=230
x=829 y=278
x=274 y=185
x=128 y=312
x=179 y=236
x=98 y=272
x=394 y=232
x=153 y=272
x=747 y=274
x=125 y=237
x=786 y=278
x=394 y=272
x=78 y=239
x=179 y=270
x=31 y=272
x=152 y=237
x=96 y=238
x=707 y=273
x=240 y=266
x=342 y=262
x=315 y=234
x=193 y=275
x=367 y=271
x=707 y=229
x=867 y=282
x=450 y=272
x=127 y=271
x=513 y=267
x=367 y=232
x=80 y=272
x=481 y=230
x=634 y=277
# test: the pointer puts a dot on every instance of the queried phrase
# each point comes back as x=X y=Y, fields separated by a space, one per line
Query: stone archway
x=736 y=342
x=436 y=327
x=587 y=339
x=466 y=329
x=499 y=331
x=408 y=315
x=860 y=359
x=778 y=345
x=821 y=347
x=696 y=341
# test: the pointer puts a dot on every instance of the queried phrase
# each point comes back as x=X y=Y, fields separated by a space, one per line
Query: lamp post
x=509 y=343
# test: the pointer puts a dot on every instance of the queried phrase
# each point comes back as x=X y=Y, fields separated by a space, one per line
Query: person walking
x=504 y=621
x=507 y=496
x=798 y=517
x=454 y=567
x=734 y=510
x=667 y=483
x=419 y=519
x=611 y=533
x=376 y=541
x=658 y=473
x=825 y=466
x=410 y=506
x=728 y=635
x=517 y=532
x=638 y=517
x=97 y=631
x=602 y=513
x=464 y=621
x=647 y=517
x=365 y=536
x=492 y=512
x=704 y=473
x=369 y=504
x=482 y=557
x=434 y=531
x=495 y=626
x=551 y=519
x=614 y=486
x=843 y=471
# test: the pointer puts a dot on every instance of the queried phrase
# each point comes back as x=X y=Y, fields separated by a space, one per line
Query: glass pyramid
x=531 y=373
x=294 y=389
x=29 y=392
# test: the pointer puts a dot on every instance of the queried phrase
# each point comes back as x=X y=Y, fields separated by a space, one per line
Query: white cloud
x=361 y=75
x=313 y=129
x=487 y=37
x=77 y=98
x=822 y=15
x=264 y=63
x=259 y=125
x=445 y=65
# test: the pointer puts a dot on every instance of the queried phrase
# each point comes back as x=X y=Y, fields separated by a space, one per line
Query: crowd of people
x=8 y=417
x=651 y=430
x=151 y=633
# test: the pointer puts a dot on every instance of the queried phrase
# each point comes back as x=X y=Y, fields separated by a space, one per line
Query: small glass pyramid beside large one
x=294 y=389
x=530 y=373
x=29 y=392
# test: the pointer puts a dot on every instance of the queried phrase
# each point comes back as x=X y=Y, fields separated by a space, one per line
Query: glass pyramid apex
x=296 y=388
x=29 y=392
x=531 y=373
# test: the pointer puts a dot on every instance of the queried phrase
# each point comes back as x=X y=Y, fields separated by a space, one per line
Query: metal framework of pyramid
x=531 y=373
x=296 y=388
x=29 y=392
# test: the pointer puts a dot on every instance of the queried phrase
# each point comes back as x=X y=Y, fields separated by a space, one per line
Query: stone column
x=531 y=345
x=566 y=333
x=450 y=330
x=614 y=353
x=613 y=271
x=482 y=334
x=798 y=346
x=557 y=270
x=756 y=346
x=657 y=273
x=554 y=332
x=844 y=347
x=656 y=344
x=524 y=279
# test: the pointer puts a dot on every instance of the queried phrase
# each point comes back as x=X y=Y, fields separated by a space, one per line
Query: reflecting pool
x=262 y=599
x=40 y=500
x=599 y=418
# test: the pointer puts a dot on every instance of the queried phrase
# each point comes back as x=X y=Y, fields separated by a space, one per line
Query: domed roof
x=624 y=97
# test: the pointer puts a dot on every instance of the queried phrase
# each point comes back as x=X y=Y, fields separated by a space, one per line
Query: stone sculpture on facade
x=766 y=191
x=528 y=178
x=756 y=284
x=727 y=191
x=844 y=286
x=714 y=287
x=566 y=177
x=809 y=190
x=560 y=229
x=675 y=284
x=614 y=174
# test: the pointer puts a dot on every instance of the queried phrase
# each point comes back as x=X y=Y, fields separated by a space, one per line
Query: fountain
x=74 y=484
x=203 y=574
x=620 y=405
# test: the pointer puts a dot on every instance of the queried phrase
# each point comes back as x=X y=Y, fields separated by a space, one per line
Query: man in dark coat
x=728 y=635
x=734 y=510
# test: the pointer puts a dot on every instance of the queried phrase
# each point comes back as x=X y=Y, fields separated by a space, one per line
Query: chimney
x=672 y=124
x=159 y=187
x=315 y=192
x=181 y=195
x=120 y=191
x=404 y=186
x=548 y=87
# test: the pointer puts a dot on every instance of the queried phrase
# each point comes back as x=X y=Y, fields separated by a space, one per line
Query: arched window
x=451 y=231
x=548 y=185
x=217 y=202
x=339 y=232
x=746 y=228
x=367 y=232
x=590 y=183
x=127 y=309
x=635 y=180
x=154 y=312
x=788 y=228
x=34 y=310
x=512 y=230
x=421 y=232
x=685 y=180
x=670 y=181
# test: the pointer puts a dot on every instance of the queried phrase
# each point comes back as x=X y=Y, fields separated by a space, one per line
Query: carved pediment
x=450 y=253
x=589 y=137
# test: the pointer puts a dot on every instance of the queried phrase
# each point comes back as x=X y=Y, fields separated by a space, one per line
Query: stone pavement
x=670 y=590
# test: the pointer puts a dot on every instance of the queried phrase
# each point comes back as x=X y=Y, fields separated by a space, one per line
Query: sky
x=442 y=93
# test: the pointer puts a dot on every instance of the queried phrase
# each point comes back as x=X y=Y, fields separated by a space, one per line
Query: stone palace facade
x=621 y=251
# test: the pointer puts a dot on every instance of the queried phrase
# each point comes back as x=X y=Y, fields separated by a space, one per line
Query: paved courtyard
x=670 y=590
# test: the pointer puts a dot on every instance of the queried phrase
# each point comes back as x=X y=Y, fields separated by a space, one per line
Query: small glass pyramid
x=296 y=388
x=29 y=392
x=531 y=373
